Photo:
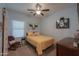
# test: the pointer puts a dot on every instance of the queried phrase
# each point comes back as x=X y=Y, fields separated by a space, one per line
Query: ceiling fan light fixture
x=38 y=12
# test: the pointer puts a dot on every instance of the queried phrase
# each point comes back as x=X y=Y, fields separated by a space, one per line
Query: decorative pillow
x=33 y=33
x=36 y=33
x=30 y=33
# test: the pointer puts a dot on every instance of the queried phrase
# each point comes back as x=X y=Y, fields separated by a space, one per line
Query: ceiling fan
x=38 y=10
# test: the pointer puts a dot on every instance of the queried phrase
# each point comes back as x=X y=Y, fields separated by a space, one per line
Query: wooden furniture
x=13 y=44
x=65 y=48
x=23 y=41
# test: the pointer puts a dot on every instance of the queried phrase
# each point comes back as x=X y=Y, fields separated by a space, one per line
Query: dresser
x=65 y=48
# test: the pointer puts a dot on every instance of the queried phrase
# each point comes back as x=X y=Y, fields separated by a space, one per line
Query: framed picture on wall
x=62 y=23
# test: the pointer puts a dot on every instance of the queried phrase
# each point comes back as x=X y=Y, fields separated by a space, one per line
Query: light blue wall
x=48 y=24
x=13 y=15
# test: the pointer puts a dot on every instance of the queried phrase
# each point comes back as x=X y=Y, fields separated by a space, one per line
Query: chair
x=13 y=44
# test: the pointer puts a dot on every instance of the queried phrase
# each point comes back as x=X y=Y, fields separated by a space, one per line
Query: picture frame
x=62 y=23
x=33 y=26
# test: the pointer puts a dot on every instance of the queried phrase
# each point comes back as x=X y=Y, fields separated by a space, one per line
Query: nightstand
x=23 y=41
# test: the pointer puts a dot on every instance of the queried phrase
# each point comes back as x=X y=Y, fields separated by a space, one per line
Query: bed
x=40 y=42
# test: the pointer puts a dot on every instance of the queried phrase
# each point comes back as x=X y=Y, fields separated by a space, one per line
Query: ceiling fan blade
x=30 y=10
x=34 y=14
x=42 y=14
x=45 y=10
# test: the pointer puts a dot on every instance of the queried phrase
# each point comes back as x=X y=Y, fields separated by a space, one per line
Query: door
x=0 y=32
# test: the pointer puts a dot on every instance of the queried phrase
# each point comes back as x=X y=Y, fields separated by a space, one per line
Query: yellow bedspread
x=41 y=42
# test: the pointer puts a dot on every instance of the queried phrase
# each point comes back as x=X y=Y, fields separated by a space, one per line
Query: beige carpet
x=28 y=50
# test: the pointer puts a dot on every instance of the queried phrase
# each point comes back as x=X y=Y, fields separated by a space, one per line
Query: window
x=18 y=28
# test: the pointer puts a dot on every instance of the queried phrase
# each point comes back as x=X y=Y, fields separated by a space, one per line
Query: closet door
x=5 y=47
x=3 y=32
x=0 y=32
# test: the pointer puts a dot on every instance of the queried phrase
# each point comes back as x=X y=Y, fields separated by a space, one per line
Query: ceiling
x=22 y=7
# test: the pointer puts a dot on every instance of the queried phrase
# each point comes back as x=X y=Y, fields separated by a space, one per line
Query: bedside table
x=23 y=41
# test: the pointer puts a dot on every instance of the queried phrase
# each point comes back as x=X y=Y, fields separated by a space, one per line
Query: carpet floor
x=28 y=50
